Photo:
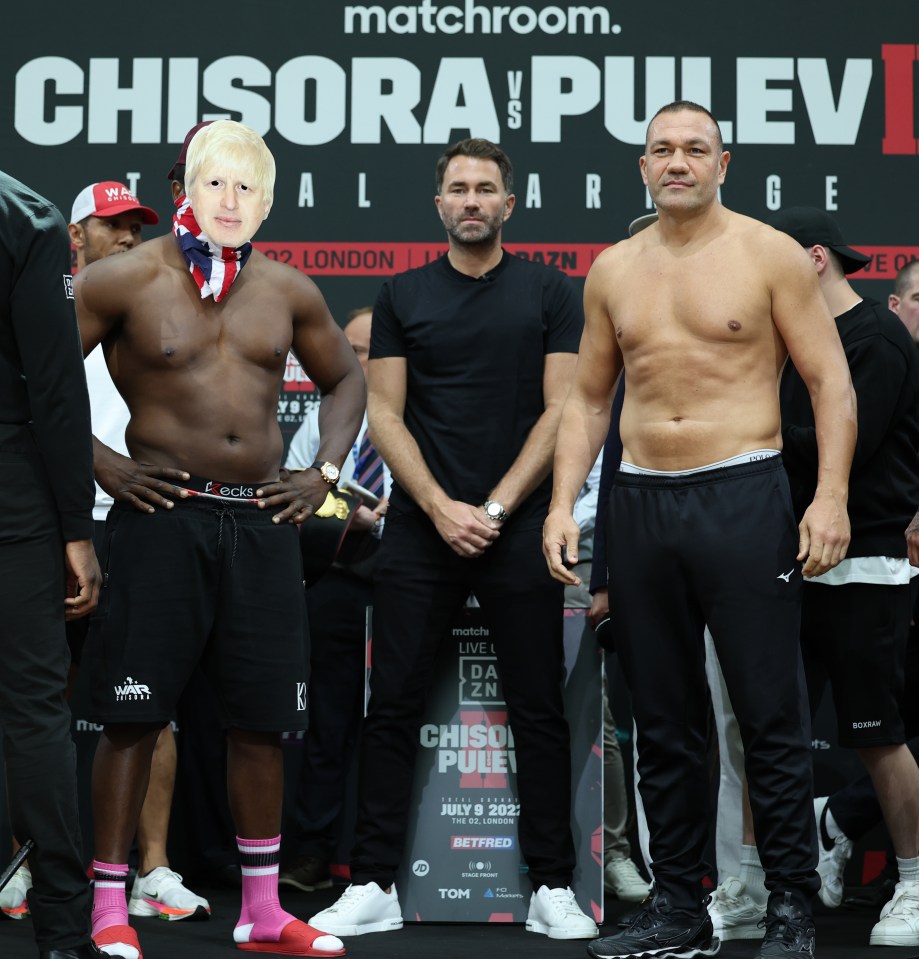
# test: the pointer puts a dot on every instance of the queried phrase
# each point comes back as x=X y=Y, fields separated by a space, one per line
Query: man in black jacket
x=48 y=569
x=855 y=618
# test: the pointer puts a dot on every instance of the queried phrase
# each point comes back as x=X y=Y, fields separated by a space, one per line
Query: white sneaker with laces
x=13 y=903
x=556 y=914
x=831 y=862
x=899 y=922
x=622 y=878
x=735 y=914
x=160 y=893
x=361 y=909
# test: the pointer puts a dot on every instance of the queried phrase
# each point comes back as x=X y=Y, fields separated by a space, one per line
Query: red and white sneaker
x=13 y=903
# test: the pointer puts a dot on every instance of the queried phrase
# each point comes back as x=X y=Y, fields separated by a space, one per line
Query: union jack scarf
x=214 y=268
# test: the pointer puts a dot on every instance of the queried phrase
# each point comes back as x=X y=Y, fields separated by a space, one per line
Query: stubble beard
x=481 y=233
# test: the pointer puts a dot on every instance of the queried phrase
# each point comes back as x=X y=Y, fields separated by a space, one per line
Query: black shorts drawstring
x=220 y=513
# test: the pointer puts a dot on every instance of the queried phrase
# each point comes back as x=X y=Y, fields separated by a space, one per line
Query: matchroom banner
x=463 y=861
x=818 y=106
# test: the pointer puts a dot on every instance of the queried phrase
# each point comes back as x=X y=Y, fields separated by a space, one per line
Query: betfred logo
x=482 y=842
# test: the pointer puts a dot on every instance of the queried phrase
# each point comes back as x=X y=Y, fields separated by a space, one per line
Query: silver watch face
x=330 y=472
x=493 y=511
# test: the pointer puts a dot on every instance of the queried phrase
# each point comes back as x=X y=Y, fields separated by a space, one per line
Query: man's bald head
x=357 y=332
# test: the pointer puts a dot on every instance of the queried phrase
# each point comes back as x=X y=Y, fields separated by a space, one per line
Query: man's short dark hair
x=901 y=283
x=678 y=106
x=355 y=313
x=481 y=150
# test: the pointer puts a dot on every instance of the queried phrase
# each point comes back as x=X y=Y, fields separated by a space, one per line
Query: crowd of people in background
x=741 y=518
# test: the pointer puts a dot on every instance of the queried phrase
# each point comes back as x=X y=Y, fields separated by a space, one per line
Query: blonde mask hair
x=233 y=147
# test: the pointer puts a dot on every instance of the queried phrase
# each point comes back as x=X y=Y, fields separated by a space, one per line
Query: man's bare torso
x=201 y=379
x=701 y=353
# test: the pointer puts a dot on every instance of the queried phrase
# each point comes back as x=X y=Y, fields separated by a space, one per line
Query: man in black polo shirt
x=470 y=361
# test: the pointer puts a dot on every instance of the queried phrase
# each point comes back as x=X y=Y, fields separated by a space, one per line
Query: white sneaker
x=556 y=914
x=13 y=903
x=831 y=863
x=361 y=909
x=735 y=914
x=160 y=893
x=622 y=878
x=899 y=922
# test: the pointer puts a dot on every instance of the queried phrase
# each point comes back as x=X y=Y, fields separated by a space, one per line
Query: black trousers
x=337 y=608
x=34 y=716
x=716 y=547
x=419 y=586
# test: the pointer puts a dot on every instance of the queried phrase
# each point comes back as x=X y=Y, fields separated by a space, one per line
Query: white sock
x=909 y=869
x=752 y=874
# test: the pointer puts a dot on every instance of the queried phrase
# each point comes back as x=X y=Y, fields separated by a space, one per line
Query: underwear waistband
x=221 y=490
x=739 y=460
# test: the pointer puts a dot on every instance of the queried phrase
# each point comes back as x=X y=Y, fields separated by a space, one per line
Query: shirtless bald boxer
x=702 y=309
x=204 y=560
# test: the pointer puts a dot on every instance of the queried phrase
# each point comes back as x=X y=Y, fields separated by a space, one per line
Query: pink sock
x=110 y=907
x=260 y=859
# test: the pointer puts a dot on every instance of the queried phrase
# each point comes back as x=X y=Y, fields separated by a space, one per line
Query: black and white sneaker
x=789 y=930
x=658 y=930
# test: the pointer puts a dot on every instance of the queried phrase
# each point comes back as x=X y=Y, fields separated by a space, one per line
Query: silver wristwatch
x=494 y=510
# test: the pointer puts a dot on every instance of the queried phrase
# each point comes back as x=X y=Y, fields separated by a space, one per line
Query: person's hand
x=142 y=485
x=823 y=535
x=560 y=535
x=300 y=492
x=912 y=540
x=365 y=518
x=599 y=607
x=465 y=528
x=363 y=521
x=83 y=578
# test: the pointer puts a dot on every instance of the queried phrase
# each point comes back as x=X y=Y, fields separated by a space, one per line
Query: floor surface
x=841 y=934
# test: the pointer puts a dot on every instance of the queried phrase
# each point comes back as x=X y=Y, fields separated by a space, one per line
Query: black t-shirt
x=884 y=483
x=475 y=351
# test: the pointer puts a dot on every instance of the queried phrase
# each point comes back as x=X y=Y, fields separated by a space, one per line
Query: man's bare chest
x=178 y=329
x=672 y=304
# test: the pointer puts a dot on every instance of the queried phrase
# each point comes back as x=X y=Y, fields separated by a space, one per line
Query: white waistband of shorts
x=738 y=460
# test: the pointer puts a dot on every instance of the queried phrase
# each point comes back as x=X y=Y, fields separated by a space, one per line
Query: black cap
x=813 y=227
x=180 y=159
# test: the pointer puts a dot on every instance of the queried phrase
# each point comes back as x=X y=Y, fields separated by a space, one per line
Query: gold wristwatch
x=328 y=471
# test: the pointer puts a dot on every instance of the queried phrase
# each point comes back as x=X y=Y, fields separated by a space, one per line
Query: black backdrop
x=818 y=104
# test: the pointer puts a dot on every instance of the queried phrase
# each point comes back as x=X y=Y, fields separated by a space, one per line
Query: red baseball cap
x=109 y=198
x=180 y=159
